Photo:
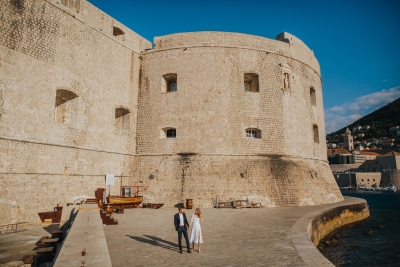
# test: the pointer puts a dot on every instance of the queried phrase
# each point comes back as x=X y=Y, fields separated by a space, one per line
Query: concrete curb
x=86 y=234
x=310 y=229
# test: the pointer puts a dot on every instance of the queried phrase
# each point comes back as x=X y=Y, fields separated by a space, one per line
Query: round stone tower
x=228 y=116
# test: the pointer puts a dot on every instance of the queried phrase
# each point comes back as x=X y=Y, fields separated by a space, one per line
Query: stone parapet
x=286 y=44
x=85 y=244
x=311 y=228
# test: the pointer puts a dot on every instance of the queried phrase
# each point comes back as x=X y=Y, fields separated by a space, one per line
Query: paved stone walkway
x=243 y=237
x=15 y=245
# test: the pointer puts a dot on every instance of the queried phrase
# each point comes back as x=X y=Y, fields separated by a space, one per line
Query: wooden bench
x=49 y=241
x=12 y=228
x=40 y=242
x=91 y=201
x=57 y=233
x=28 y=259
x=226 y=204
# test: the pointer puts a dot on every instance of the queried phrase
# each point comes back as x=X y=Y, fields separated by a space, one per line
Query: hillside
x=380 y=122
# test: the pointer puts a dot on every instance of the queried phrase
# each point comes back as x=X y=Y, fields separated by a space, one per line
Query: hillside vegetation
x=380 y=122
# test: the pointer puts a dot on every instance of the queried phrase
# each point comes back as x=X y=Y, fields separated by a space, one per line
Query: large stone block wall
x=38 y=176
x=287 y=44
x=51 y=45
x=210 y=70
x=391 y=177
x=211 y=111
x=273 y=181
x=46 y=46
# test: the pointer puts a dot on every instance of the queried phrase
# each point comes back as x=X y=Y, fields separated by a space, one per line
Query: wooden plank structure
x=12 y=228
x=152 y=205
x=238 y=204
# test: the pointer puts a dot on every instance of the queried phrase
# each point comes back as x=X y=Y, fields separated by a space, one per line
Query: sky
x=357 y=43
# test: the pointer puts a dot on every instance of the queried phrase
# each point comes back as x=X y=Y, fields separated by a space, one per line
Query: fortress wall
x=104 y=23
x=37 y=176
x=286 y=44
x=65 y=54
x=300 y=114
x=211 y=111
x=299 y=50
x=43 y=48
x=213 y=76
x=46 y=46
x=273 y=181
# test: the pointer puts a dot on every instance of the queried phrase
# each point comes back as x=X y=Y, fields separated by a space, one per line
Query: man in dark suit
x=182 y=225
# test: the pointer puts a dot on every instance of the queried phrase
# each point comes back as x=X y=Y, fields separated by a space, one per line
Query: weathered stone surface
x=232 y=237
x=56 y=145
x=85 y=242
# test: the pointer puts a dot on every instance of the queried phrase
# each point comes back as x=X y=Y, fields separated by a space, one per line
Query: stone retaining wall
x=310 y=229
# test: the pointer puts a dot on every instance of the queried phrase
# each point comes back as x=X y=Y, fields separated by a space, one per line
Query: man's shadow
x=155 y=241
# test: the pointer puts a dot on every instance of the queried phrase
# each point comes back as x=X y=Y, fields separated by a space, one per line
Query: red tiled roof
x=369 y=153
x=337 y=151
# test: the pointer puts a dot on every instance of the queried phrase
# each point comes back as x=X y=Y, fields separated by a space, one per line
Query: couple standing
x=182 y=225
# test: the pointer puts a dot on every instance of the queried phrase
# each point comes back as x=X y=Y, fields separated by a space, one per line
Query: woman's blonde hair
x=197 y=212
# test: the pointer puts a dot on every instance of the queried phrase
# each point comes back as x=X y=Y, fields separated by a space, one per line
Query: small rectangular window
x=250 y=82
x=313 y=97
x=316 y=133
x=171 y=133
x=253 y=133
x=173 y=87
x=169 y=83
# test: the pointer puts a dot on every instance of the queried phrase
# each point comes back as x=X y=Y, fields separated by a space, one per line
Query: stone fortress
x=202 y=115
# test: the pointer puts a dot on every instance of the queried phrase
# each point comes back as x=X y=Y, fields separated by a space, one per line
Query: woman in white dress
x=196 y=236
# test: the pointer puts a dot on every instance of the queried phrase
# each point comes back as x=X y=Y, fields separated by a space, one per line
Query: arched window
x=66 y=107
x=316 y=133
x=251 y=82
x=168 y=132
x=313 y=97
x=169 y=82
x=253 y=133
x=122 y=121
x=119 y=33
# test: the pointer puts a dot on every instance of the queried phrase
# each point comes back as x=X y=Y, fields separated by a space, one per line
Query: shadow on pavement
x=156 y=241
x=51 y=227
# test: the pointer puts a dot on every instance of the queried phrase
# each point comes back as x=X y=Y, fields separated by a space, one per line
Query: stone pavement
x=243 y=237
x=15 y=245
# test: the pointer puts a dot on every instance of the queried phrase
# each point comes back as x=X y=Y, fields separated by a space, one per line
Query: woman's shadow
x=155 y=241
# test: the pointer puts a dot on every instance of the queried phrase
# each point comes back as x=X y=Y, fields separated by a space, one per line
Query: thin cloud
x=338 y=117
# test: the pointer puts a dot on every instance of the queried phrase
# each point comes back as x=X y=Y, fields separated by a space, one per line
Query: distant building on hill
x=388 y=165
x=348 y=140
x=394 y=129
x=361 y=156
x=340 y=156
